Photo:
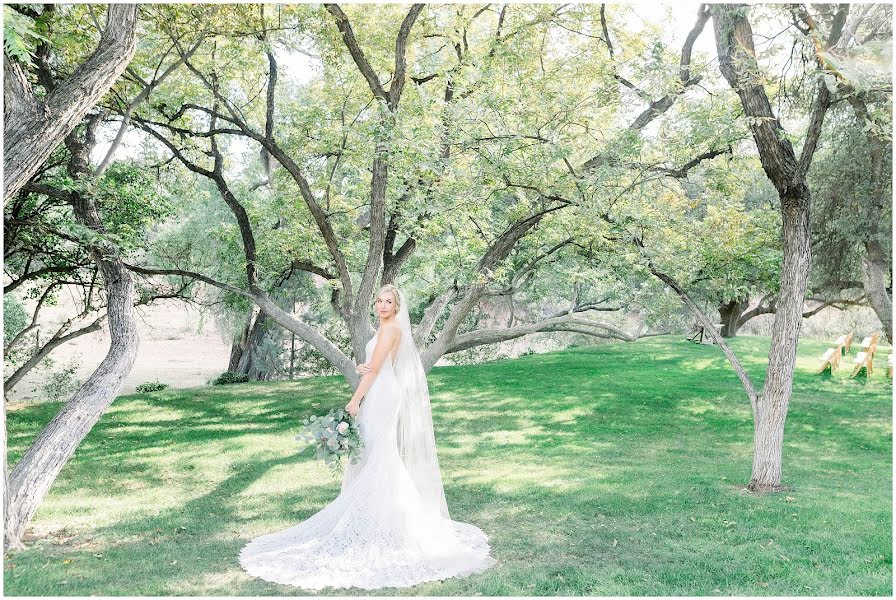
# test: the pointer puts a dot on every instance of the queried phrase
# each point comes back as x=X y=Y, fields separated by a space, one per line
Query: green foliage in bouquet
x=334 y=436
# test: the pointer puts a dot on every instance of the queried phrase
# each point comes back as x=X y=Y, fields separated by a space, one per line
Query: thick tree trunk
x=236 y=353
x=359 y=321
x=737 y=62
x=15 y=543
x=237 y=349
x=730 y=314
x=875 y=273
x=241 y=354
x=33 y=129
x=247 y=364
x=775 y=398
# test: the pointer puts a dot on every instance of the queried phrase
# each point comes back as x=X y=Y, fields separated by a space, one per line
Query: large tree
x=449 y=146
x=75 y=181
x=787 y=172
x=851 y=239
x=36 y=471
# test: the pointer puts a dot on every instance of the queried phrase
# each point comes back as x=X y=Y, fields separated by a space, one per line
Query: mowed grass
x=609 y=470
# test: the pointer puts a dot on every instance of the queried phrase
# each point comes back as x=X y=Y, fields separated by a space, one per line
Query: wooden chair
x=830 y=360
x=864 y=360
x=870 y=341
x=844 y=342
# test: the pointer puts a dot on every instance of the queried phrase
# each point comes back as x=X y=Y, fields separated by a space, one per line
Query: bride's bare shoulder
x=393 y=328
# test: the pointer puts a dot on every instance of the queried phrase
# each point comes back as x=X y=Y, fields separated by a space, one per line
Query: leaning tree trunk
x=37 y=470
x=875 y=272
x=32 y=129
x=730 y=314
x=768 y=434
x=35 y=473
x=17 y=543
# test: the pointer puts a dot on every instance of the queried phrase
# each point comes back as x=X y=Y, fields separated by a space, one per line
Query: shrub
x=230 y=377
x=63 y=382
x=151 y=386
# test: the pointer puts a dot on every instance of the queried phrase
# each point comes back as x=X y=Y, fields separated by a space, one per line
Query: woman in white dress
x=389 y=526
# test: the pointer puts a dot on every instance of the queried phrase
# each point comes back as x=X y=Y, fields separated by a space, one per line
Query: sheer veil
x=416 y=439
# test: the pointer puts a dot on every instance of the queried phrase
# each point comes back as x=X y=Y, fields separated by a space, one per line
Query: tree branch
x=398 y=78
x=497 y=251
x=191 y=274
x=29 y=142
x=660 y=106
x=348 y=36
x=40 y=302
x=710 y=328
x=432 y=313
x=31 y=275
x=565 y=322
x=682 y=171
x=320 y=217
x=143 y=95
x=54 y=342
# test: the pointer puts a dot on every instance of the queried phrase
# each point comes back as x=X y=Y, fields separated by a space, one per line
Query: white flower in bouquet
x=332 y=436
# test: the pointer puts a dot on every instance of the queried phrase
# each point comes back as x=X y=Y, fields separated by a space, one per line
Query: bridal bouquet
x=335 y=435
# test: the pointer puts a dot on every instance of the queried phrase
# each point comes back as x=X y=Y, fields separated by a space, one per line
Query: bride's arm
x=384 y=344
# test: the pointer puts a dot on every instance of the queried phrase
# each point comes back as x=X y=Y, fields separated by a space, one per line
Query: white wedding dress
x=378 y=532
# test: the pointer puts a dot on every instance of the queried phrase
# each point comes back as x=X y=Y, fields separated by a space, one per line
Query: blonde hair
x=391 y=288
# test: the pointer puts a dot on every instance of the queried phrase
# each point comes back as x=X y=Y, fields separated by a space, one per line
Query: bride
x=389 y=526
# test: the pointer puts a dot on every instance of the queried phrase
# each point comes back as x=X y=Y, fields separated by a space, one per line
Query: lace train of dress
x=378 y=532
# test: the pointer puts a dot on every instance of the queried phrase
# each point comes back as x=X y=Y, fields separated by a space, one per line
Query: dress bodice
x=380 y=531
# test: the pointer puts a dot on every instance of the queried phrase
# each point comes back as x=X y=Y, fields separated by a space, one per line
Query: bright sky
x=683 y=16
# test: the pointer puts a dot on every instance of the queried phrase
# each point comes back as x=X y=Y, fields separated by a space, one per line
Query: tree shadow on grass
x=153 y=553
x=603 y=444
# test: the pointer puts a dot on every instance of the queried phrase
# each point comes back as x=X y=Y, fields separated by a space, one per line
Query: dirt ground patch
x=177 y=346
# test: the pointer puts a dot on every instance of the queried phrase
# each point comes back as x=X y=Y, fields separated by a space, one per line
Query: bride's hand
x=362 y=368
x=353 y=407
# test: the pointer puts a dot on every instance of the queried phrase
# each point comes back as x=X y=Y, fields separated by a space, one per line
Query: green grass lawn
x=610 y=470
